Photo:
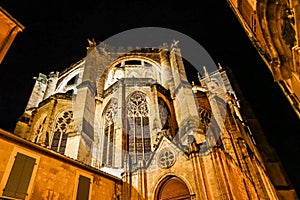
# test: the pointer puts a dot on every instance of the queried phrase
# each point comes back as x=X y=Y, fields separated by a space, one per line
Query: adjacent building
x=9 y=28
x=274 y=29
x=30 y=171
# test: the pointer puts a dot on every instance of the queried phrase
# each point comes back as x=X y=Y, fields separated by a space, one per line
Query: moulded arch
x=63 y=83
x=109 y=69
x=135 y=57
x=108 y=105
x=172 y=187
x=163 y=175
x=137 y=91
x=57 y=114
x=38 y=127
x=63 y=124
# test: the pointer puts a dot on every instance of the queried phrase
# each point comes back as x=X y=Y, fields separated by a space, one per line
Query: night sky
x=56 y=33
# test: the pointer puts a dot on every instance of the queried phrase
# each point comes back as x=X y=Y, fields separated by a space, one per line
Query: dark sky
x=56 y=33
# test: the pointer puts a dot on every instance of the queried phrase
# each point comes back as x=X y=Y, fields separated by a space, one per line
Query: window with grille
x=138 y=127
x=62 y=127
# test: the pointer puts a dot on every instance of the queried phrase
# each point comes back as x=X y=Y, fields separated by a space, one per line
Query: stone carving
x=166 y=158
x=288 y=33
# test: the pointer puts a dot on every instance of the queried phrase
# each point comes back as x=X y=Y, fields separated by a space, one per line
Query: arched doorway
x=172 y=188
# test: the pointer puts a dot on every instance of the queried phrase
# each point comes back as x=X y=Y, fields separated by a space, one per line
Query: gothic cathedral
x=135 y=113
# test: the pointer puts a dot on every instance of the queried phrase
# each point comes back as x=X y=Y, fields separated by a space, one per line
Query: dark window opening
x=83 y=188
x=73 y=80
x=118 y=65
x=133 y=62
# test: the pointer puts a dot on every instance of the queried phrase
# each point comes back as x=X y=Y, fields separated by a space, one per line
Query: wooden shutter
x=83 y=188
x=19 y=177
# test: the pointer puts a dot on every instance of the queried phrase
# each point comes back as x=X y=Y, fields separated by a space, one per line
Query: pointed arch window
x=138 y=127
x=60 y=135
x=109 y=132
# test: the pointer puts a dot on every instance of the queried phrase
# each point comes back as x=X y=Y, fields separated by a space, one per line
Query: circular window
x=166 y=158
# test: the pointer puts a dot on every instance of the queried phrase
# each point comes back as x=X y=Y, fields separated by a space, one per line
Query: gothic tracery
x=62 y=127
x=138 y=126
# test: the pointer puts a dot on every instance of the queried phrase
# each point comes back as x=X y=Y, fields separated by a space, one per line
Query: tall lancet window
x=63 y=126
x=109 y=132
x=138 y=127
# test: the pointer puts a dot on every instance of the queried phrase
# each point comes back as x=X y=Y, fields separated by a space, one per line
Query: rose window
x=166 y=158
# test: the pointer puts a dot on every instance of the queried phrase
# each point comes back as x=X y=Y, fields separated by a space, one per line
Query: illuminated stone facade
x=273 y=28
x=135 y=111
x=9 y=28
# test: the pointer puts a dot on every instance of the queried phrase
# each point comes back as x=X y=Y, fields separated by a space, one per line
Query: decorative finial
x=220 y=67
x=92 y=45
x=165 y=45
x=199 y=74
x=175 y=43
x=206 y=73
x=92 y=42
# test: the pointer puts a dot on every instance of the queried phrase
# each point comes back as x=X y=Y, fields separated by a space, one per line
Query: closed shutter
x=19 y=177
x=83 y=188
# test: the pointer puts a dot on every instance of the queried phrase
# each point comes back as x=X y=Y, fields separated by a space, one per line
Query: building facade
x=273 y=28
x=134 y=111
x=30 y=171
